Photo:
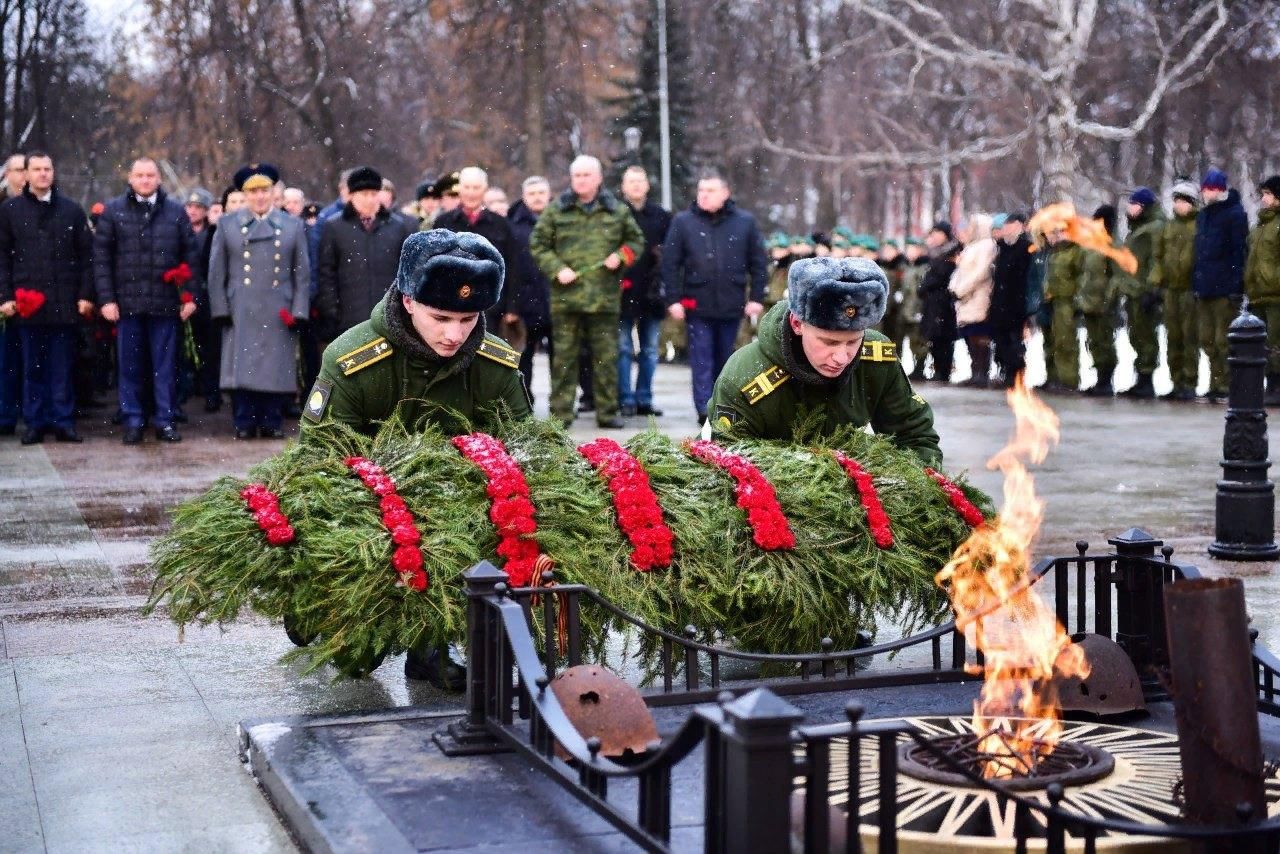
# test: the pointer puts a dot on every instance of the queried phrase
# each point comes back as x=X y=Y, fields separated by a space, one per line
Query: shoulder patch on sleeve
x=499 y=353
x=765 y=384
x=318 y=400
x=879 y=351
x=364 y=356
x=725 y=417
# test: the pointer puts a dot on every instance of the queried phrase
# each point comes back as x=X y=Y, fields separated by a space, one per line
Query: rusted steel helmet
x=1112 y=686
x=598 y=703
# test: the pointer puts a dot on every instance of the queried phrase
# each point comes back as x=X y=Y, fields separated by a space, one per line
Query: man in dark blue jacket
x=643 y=305
x=1217 y=279
x=712 y=255
x=143 y=238
x=45 y=246
x=533 y=290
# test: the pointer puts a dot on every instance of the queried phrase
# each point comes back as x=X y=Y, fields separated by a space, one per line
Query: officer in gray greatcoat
x=259 y=290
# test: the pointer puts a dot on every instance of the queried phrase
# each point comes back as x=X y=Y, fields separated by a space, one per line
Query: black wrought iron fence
x=752 y=770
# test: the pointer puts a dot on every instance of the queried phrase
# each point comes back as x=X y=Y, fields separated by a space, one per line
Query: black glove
x=1150 y=301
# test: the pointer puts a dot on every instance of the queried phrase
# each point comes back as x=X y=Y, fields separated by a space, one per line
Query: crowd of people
x=168 y=299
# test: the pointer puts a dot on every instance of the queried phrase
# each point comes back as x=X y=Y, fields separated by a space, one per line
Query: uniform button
x=277 y=256
x=277 y=244
x=276 y=283
x=277 y=270
x=247 y=268
x=246 y=254
x=247 y=280
x=244 y=229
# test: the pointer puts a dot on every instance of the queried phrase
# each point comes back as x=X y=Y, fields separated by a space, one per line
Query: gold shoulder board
x=762 y=386
x=364 y=356
x=879 y=351
x=499 y=353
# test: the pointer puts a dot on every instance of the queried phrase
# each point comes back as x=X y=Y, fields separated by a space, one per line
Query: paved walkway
x=116 y=736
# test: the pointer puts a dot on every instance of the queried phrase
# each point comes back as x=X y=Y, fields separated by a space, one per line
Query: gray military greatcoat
x=256 y=268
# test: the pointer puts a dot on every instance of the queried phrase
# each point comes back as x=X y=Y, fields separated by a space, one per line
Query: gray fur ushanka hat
x=451 y=271
x=840 y=294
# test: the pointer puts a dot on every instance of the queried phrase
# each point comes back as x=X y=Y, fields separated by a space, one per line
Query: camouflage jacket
x=1175 y=254
x=581 y=238
x=1097 y=291
x=1064 y=267
x=1143 y=232
x=1262 y=270
x=768 y=384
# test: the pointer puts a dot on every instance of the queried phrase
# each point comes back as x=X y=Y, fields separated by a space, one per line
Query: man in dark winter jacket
x=359 y=254
x=643 y=306
x=208 y=337
x=1008 y=313
x=472 y=216
x=1222 y=232
x=712 y=257
x=143 y=238
x=938 y=312
x=533 y=289
x=46 y=246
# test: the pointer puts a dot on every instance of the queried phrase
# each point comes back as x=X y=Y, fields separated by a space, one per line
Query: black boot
x=1102 y=388
x=1142 y=389
x=437 y=668
x=1272 y=397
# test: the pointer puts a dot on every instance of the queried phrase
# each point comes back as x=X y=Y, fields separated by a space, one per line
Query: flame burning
x=1089 y=233
x=1018 y=634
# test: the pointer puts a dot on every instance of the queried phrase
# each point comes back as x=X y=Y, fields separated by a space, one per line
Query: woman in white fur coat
x=971 y=285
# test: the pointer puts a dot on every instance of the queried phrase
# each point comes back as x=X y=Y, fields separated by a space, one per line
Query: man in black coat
x=1008 y=313
x=142 y=240
x=45 y=246
x=208 y=337
x=359 y=255
x=643 y=302
x=471 y=215
x=712 y=256
x=533 y=289
x=938 y=315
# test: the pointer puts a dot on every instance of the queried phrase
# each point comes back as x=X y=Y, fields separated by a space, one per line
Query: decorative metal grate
x=1016 y=764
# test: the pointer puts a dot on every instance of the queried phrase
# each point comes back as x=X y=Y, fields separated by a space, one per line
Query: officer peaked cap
x=839 y=294
x=255 y=175
x=450 y=271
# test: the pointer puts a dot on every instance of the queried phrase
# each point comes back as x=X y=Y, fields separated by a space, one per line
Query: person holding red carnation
x=46 y=279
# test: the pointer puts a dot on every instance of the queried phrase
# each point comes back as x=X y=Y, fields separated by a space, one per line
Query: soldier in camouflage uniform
x=1061 y=346
x=912 y=306
x=776 y=289
x=1097 y=301
x=1262 y=279
x=1142 y=298
x=817 y=355
x=1172 y=261
x=582 y=243
x=424 y=354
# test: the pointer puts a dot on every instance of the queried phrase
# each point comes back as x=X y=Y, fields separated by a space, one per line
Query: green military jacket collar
x=767 y=386
x=380 y=368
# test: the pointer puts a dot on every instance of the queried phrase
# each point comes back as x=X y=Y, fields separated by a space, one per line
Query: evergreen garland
x=337 y=583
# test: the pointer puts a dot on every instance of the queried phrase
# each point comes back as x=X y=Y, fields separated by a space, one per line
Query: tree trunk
x=324 y=112
x=1062 y=162
x=533 y=37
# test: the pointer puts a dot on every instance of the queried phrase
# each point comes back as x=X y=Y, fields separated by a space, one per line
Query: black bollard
x=1245 y=509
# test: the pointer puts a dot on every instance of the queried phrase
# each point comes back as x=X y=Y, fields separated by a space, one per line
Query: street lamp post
x=664 y=106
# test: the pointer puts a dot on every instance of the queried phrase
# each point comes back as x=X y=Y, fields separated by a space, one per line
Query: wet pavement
x=114 y=735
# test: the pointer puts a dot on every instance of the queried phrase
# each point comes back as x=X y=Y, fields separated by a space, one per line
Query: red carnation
x=178 y=275
x=971 y=514
x=407 y=559
x=269 y=518
x=689 y=303
x=396 y=519
x=405 y=535
x=416 y=580
x=280 y=535
x=511 y=511
x=770 y=529
x=286 y=318
x=634 y=502
x=187 y=297
x=392 y=502
x=28 y=301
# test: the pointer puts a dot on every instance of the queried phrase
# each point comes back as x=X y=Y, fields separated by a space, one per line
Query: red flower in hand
x=29 y=301
x=285 y=317
x=187 y=297
x=178 y=275
x=689 y=303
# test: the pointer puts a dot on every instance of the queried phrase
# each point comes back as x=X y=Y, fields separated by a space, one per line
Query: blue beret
x=840 y=294
x=451 y=271
x=1143 y=196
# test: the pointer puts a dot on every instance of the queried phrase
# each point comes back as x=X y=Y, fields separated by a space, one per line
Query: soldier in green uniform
x=912 y=306
x=816 y=354
x=1097 y=301
x=424 y=352
x=1262 y=279
x=1142 y=298
x=892 y=262
x=1061 y=346
x=1172 y=261
x=582 y=243
x=778 y=247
